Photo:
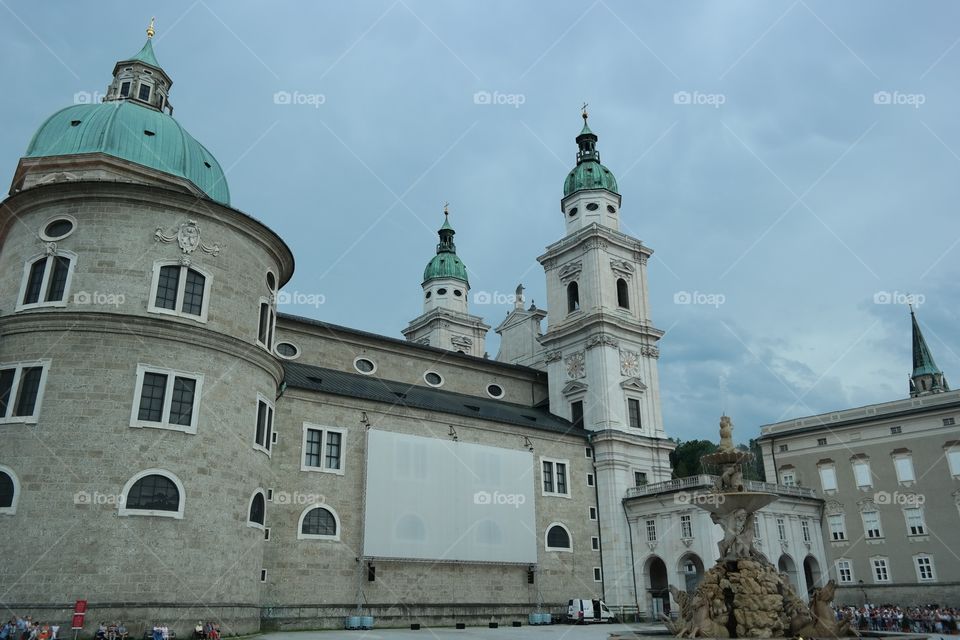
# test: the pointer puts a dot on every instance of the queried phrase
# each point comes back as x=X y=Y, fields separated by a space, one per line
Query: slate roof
x=353 y=385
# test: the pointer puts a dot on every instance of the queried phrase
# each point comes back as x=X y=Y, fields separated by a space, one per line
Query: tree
x=685 y=459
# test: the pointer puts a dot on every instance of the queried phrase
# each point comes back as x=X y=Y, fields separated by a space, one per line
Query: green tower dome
x=589 y=173
x=130 y=124
x=446 y=264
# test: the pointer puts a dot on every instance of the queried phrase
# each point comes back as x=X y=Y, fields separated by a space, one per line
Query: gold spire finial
x=584 y=110
x=150 y=29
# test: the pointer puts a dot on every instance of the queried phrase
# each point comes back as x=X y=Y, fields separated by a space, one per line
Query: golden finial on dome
x=583 y=109
x=150 y=29
x=446 y=208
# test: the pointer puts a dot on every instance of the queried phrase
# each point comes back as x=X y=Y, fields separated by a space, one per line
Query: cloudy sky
x=793 y=163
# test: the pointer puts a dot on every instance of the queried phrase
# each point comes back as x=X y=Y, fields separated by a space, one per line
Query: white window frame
x=827 y=471
x=864 y=464
x=842 y=530
x=12 y=509
x=595 y=543
x=312 y=536
x=323 y=448
x=636 y=480
x=788 y=478
x=271 y=323
x=597 y=574
x=546 y=536
x=952 y=454
x=122 y=509
x=686 y=526
x=930 y=566
x=268 y=428
x=181 y=286
x=135 y=421
x=782 y=529
x=590 y=480
x=251 y=523
x=650 y=529
x=886 y=567
x=848 y=565
x=805 y=530
x=757 y=528
x=923 y=520
x=14 y=398
x=592 y=513
x=879 y=527
x=634 y=398
x=47 y=273
x=897 y=459
x=566 y=471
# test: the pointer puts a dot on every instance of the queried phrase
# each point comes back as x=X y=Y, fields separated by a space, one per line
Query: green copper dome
x=129 y=131
x=589 y=173
x=446 y=264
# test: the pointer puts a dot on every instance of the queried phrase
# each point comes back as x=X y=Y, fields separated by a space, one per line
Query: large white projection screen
x=436 y=499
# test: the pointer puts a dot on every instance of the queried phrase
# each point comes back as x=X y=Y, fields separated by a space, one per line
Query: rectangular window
x=828 y=478
x=821 y=442
x=838 y=530
x=871 y=525
x=555 y=479
x=904 y=466
x=651 y=530
x=589 y=479
x=844 y=572
x=686 y=526
x=144 y=92
x=861 y=473
x=924 y=568
x=592 y=512
x=805 y=530
x=323 y=448
x=166 y=399
x=263 y=437
x=576 y=413
x=588 y=452
x=953 y=460
x=125 y=88
x=597 y=577
x=633 y=407
x=595 y=543
x=949 y=422
x=266 y=533
x=180 y=290
x=45 y=281
x=781 y=529
x=895 y=430
x=881 y=572
x=788 y=478
x=757 y=531
x=916 y=526
x=640 y=478
x=783 y=448
x=21 y=389
x=263 y=575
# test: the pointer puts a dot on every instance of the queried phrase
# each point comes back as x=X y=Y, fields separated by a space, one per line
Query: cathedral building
x=175 y=449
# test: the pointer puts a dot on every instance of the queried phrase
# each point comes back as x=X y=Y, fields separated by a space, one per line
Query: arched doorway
x=690 y=568
x=788 y=566
x=658 y=594
x=811 y=573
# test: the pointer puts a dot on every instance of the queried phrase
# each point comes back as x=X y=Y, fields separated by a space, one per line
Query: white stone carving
x=570 y=270
x=621 y=267
x=576 y=365
x=649 y=351
x=601 y=340
x=188 y=239
x=629 y=362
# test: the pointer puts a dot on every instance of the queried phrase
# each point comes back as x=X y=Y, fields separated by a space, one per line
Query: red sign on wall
x=80 y=607
x=77 y=621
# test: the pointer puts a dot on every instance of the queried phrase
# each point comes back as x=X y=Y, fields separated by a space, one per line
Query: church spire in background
x=926 y=377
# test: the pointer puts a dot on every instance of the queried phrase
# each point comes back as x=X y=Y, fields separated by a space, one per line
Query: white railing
x=706 y=480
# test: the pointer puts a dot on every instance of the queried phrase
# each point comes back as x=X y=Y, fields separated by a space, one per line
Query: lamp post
x=864 y=591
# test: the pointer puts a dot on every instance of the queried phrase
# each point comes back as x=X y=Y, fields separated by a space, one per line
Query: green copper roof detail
x=446 y=264
x=146 y=55
x=133 y=132
x=589 y=173
x=922 y=359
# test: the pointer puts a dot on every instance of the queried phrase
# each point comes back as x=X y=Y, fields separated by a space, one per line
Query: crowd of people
x=25 y=628
x=112 y=631
x=926 y=619
x=208 y=631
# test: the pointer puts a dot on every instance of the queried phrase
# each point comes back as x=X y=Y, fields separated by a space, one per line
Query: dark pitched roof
x=354 y=385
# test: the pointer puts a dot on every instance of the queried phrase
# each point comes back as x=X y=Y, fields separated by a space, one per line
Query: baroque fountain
x=743 y=595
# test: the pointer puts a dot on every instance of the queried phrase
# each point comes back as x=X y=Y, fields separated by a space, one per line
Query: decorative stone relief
x=50 y=248
x=552 y=356
x=601 y=340
x=570 y=270
x=425 y=341
x=573 y=388
x=576 y=365
x=187 y=236
x=643 y=259
x=649 y=351
x=629 y=362
x=461 y=341
x=833 y=507
x=621 y=267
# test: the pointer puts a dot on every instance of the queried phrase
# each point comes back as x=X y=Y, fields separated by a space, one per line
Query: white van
x=579 y=611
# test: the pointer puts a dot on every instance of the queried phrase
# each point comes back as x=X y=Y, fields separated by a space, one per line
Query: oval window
x=364 y=365
x=457 y=292
x=572 y=212
x=428 y=295
x=441 y=292
x=287 y=350
x=593 y=206
x=271 y=281
x=433 y=378
x=494 y=391
x=57 y=229
x=611 y=208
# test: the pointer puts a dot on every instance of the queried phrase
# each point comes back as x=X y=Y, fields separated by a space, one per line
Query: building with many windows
x=889 y=476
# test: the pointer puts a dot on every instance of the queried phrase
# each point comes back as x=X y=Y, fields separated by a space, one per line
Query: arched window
x=623 y=296
x=46 y=281
x=180 y=290
x=558 y=538
x=573 y=297
x=255 y=518
x=318 y=523
x=153 y=492
x=9 y=491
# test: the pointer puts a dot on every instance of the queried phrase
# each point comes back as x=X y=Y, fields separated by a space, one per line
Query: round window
x=457 y=292
x=441 y=292
x=572 y=212
x=593 y=206
x=494 y=391
x=364 y=365
x=57 y=229
x=271 y=281
x=287 y=350
x=433 y=378
x=611 y=208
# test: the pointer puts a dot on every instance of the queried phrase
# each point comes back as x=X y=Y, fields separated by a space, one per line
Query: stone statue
x=821 y=620
x=731 y=479
x=726 y=434
x=698 y=615
x=737 y=535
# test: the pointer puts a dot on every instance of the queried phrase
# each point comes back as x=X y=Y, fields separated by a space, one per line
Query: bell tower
x=601 y=351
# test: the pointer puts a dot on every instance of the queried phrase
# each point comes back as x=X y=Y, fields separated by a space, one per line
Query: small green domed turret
x=446 y=264
x=589 y=173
